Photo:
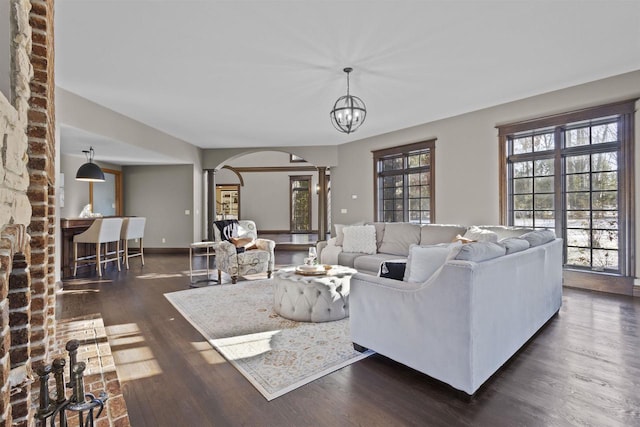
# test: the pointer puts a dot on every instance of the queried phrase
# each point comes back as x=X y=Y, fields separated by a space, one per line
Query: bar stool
x=194 y=251
x=103 y=230
x=132 y=228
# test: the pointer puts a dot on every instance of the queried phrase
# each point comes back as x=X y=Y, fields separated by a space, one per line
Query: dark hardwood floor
x=582 y=369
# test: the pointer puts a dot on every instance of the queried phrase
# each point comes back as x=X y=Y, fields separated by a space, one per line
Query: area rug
x=275 y=354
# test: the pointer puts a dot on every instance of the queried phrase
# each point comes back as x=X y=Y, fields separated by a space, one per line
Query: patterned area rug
x=275 y=354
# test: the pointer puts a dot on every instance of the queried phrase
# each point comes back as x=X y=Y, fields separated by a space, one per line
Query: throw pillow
x=461 y=239
x=539 y=237
x=228 y=228
x=340 y=233
x=423 y=261
x=393 y=269
x=359 y=238
x=480 y=235
x=480 y=251
x=514 y=244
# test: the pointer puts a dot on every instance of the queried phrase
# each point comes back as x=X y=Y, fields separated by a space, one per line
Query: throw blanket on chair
x=228 y=228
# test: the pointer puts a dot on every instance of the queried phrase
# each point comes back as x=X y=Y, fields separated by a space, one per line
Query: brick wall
x=27 y=206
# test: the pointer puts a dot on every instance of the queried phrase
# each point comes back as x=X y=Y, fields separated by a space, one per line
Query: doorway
x=228 y=201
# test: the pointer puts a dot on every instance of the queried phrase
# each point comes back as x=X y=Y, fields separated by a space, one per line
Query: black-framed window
x=405 y=183
x=300 y=203
x=573 y=173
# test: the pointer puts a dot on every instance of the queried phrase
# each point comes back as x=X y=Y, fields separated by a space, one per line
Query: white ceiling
x=266 y=73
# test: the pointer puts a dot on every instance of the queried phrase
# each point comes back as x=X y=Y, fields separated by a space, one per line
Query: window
x=405 y=184
x=300 y=202
x=573 y=173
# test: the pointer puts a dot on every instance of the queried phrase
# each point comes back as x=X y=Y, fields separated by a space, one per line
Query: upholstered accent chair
x=103 y=230
x=254 y=257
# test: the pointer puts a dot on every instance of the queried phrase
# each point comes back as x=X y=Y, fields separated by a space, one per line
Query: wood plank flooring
x=582 y=369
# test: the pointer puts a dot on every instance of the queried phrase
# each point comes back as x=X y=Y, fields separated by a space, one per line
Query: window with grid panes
x=404 y=183
x=568 y=176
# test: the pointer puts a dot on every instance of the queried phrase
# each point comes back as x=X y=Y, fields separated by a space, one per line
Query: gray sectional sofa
x=393 y=241
x=478 y=305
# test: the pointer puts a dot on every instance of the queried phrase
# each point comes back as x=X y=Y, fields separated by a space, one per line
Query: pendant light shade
x=349 y=111
x=90 y=171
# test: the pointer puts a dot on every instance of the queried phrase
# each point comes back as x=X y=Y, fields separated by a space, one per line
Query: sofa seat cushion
x=432 y=234
x=347 y=258
x=398 y=237
x=371 y=263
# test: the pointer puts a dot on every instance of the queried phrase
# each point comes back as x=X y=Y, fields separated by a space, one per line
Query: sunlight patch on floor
x=133 y=359
x=160 y=276
x=208 y=353
x=251 y=344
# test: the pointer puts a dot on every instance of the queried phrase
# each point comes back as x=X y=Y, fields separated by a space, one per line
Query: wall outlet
x=354 y=196
x=164 y=240
x=187 y=212
x=343 y=211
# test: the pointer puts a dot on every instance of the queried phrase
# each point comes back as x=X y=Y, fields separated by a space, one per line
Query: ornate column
x=322 y=203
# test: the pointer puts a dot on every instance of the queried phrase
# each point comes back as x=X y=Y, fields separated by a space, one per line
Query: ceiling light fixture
x=349 y=111
x=90 y=171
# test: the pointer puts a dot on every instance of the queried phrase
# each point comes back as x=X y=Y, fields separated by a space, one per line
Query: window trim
x=403 y=149
x=625 y=110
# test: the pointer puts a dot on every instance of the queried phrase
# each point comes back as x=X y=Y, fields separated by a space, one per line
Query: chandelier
x=349 y=111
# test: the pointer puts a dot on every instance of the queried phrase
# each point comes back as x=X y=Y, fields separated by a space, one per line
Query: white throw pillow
x=481 y=235
x=359 y=238
x=423 y=261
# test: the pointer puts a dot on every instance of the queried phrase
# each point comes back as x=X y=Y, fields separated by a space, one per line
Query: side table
x=201 y=249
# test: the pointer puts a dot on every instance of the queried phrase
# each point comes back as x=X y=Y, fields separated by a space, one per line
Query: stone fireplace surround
x=27 y=210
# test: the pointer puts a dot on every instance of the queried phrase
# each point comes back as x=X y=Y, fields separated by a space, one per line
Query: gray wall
x=264 y=198
x=162 y=194
x=467 y=154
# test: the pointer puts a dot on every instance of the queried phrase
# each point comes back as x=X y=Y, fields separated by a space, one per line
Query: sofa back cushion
x=432 y=234
x=504 y=231
x=514 y=244
x=539 y=237
x=480 y=251
x=398 y=237
x=379 y=232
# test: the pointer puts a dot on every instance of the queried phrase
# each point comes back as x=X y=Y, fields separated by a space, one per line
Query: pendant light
x=90 y=171
x=349 y=111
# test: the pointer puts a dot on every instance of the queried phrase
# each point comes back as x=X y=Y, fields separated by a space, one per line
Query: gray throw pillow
x=514 y=244
x=480 y=251
x=539 y=237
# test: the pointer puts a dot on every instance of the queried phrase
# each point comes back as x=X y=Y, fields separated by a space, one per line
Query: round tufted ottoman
x=312 y=298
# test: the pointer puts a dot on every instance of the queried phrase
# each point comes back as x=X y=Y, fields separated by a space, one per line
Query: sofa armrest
x=384 y=282
x=268 y=245
x=225 y=248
